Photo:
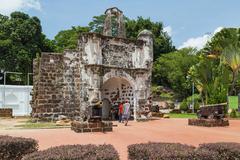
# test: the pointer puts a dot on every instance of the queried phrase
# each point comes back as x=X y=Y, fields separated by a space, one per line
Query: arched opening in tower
x=116 y=90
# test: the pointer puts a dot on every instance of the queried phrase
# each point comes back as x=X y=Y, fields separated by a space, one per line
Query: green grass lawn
x=39 y=125
x=193 y=115
x=182 y=115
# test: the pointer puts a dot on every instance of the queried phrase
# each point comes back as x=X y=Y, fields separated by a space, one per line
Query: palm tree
x=210 y=79
x=231 y=57
x=225 y=45
x=201 y=76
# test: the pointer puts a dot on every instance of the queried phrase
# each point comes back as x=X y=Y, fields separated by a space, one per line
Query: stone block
x=77 y=130
x=97 y=129
x=93 y=125
x=87 y=130
x=90 y=127
x=208 y=122
x=108 y=129
x=6 y=112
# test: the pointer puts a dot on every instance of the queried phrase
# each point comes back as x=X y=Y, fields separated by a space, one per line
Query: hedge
x=76 y=152
x=159 y=151
x=225 y=150
x=176 y=151
x=202 y=154
x=13 y=148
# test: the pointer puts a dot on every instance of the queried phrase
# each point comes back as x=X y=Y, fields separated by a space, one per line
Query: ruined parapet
x=147 y=37
x=107 y=29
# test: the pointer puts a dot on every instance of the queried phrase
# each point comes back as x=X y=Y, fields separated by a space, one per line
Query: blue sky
x=189 y=22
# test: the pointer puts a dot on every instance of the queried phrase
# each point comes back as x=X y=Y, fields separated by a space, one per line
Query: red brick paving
x=163 y=130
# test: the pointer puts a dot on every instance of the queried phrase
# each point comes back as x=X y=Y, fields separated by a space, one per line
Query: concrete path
x=163 y=130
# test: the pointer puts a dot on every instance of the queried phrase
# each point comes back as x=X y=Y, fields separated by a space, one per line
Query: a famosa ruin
x=103 y=70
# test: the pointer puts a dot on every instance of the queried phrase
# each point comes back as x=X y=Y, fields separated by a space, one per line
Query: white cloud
x=168 y=29
x=8 y=6
x=199 y=42
x=217 y=30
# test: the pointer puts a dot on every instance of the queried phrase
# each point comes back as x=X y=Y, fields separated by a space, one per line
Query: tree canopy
x=225 y=45
x=171 y=70
x=211 y=79
x=222 y=39
x=21 y=39
x=67 y=39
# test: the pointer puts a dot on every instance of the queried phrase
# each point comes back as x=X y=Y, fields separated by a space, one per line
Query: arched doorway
x=116 y=90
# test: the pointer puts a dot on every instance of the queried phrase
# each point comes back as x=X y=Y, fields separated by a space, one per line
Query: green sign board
x=233 y=102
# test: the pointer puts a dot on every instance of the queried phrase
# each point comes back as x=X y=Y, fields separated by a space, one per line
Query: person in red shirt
x=120 y=112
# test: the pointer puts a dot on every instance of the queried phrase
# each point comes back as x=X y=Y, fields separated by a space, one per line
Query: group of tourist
x=124 y=112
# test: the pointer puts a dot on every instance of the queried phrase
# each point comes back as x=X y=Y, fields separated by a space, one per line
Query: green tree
x=211 y=80
x=231 y=58
x=221 y=40
x=97 y=24
x=67 y=39
x=47 y=45
x=21 y=39
x=225 y=45
x=171 y=70
x=162 y=41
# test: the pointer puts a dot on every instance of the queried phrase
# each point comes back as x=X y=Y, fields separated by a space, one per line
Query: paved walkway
x=163 y=130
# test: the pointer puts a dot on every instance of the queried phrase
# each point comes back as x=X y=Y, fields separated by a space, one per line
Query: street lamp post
x=193 y=97
x=193 y=86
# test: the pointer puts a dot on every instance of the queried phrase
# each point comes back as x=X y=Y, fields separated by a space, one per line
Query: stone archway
x=119 y=74
x=116 y=90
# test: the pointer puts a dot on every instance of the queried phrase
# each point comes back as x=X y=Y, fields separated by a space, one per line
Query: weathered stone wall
x=71 y=84
x=118 y=90
x=56 y=82
x=48 y=80
x=106 y=57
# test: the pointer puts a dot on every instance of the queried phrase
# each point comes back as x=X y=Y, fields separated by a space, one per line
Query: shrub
x=13 y=148
x=203 y=154
x=226 y=151
x=196 y=106
x=233 y=114
x=188 y=101
x=184 y=105
x=177 y=111
x=170 y=151
x=75 y=152
x=160 y=151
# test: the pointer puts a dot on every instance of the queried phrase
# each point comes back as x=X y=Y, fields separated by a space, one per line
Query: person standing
x=120 y=112
x=126 y=112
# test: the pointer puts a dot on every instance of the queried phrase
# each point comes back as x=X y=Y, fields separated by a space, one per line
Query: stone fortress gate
x=103 y=67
